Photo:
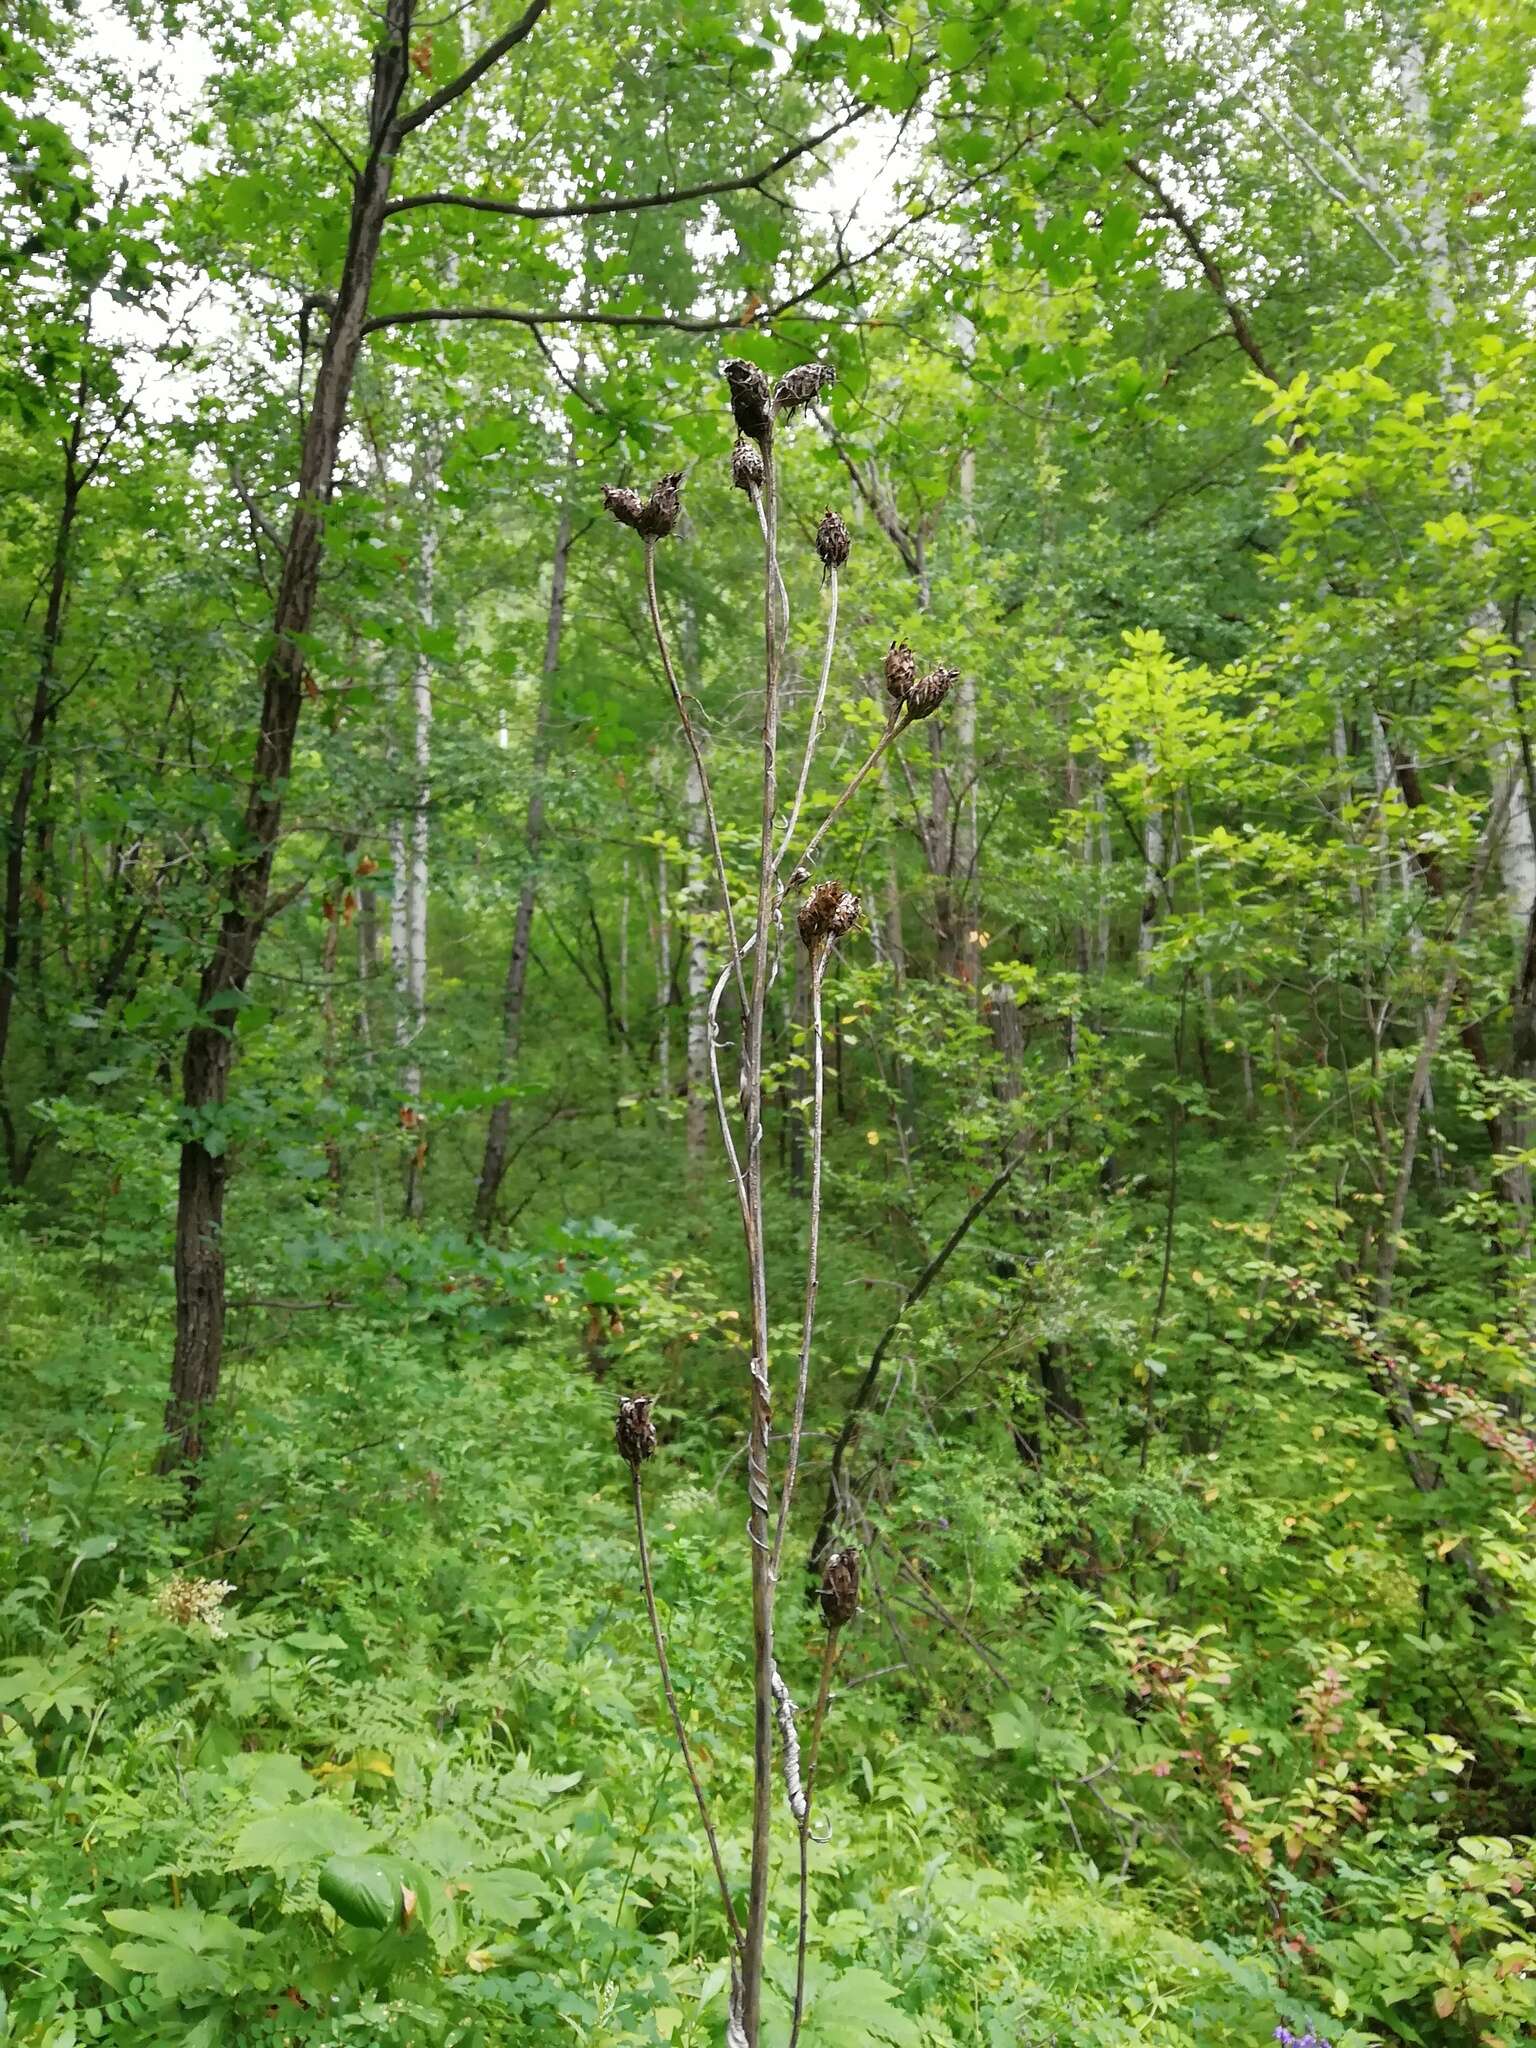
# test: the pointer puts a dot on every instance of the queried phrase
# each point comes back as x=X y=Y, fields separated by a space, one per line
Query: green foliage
x=1185 y=406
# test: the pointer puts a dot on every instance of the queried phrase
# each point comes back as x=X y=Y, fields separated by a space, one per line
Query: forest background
x=358 y=929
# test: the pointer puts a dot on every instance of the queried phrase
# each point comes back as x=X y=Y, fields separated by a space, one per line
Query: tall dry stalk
x=827 y=914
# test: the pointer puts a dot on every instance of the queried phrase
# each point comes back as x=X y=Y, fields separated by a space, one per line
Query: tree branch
x=866 y=1387
x=491 y=55
x=587 y=209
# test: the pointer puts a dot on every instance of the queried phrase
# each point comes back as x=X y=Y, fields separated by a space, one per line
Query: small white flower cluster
x=187 y=1601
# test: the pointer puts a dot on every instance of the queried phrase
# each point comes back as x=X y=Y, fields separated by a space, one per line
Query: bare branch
x=491 y=55
x=867 y=1385
x=588 y=209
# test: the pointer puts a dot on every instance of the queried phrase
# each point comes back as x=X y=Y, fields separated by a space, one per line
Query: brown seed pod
x=802 y=386
x=832 y=542
x=751 y=399
x=829 y=912
x=900 y=670
x=746 y=465
x=627 y=506
x=929 y=691
x=840 y=1588
x=662 y=509
x=633 y=1430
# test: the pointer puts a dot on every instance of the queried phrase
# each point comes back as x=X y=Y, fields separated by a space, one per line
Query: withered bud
x=746 y=465
x=900 y=670
x=627 y=506
x=751 y=399
x=802 y=386
x=663 y=508
x=832 y=542
x=840 y=1588
x=633 y=1430
x=929 y=691
x=829 y=912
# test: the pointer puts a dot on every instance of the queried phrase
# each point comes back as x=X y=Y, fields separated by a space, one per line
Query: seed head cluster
x=801 y=387
x=840 y=1588
x=751 y=399
x=653 y=518
x=918 y=695
x=900 y=670
x=929 y=691
x=746 y=465
x=829 y=912
x=633 y=1430
x=832 y=542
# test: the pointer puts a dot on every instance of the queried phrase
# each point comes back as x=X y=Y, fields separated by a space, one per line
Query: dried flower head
x=751 y=399
x=926 y=695
x=829 y=912
x=627 y=506
x=802 y=386
x=189 y=1602
x=663 y=508
x=746 y=465
x=832 y=542
x=633 y=1430
x=900 y=670
x=840 y=1588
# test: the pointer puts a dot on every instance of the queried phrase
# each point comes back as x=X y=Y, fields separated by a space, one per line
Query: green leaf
x=359 y=1890
x=303 y=1834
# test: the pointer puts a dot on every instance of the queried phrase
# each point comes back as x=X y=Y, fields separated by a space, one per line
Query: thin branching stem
x=856 y=782
x=660 y=1642
x=819 y=957
x=691 y=736
x=760 y=508
x=823 y=1691
x=814 y=734
x=758 y=1479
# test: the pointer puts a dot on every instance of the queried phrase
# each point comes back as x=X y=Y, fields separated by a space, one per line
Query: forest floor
x=402 y=1621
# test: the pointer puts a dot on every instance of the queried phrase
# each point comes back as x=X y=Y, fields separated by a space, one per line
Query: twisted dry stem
x=828 y=1660
x=819 y=957
x=660 y=1642
x=761 y=1397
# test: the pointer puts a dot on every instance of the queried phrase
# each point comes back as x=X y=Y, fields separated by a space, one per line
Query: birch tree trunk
x=1427 y=188
x=493 y=1165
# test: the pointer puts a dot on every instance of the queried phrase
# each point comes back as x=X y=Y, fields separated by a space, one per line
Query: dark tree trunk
x=30 y=761
x=494 y=1165
x=199 y=1257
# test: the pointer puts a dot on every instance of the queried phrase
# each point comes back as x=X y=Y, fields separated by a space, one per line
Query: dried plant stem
x=818 y=962
x=814 y=734
x=760 y=508
x=871 y=759
x=692 y=738
x=828 y=1660
x=758 y=1482
x=677 y=1720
